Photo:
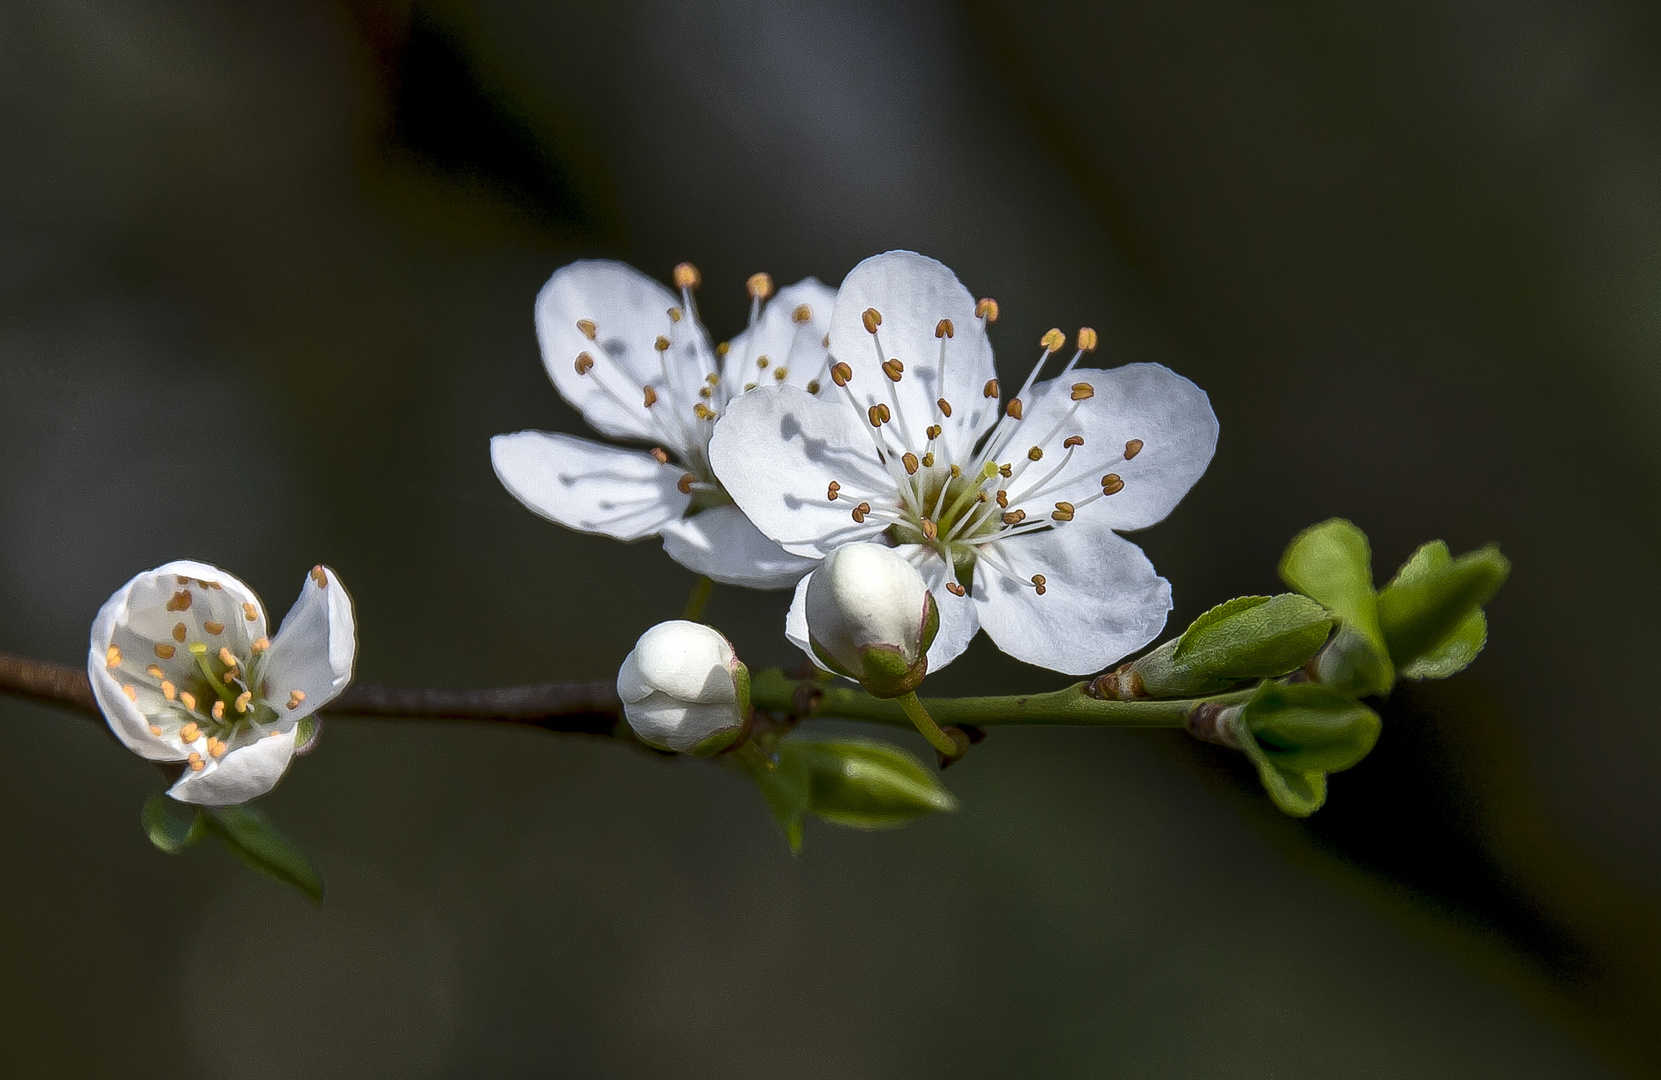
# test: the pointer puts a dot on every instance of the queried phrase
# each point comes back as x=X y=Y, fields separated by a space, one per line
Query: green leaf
x=1254 y=637
x=868 y=785
x=1427 y=610
x=250 y=836
x=784 y=786
x=1454 y=654
x=167 y=832
x=1296 y=734
x=1332 y=563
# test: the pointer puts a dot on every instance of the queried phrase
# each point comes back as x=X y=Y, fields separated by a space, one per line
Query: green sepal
x=783 y=783
x=1432 y=610
x=1332 y=563
x=251 y=837
x=1254 y=637
x=1295 y=734
x=887 y=674
x=867 y=785
x=167 y=832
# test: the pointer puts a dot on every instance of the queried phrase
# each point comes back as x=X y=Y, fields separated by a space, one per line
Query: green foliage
x=250 y=836
x=852 y=782
x=1332 y=563
x=1296 y=734
x=167 y=832
x=1253 y=637
x=785 y=787
x=1431 y=613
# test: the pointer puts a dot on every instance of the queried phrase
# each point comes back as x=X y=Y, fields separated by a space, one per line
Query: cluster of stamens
x=958 y=510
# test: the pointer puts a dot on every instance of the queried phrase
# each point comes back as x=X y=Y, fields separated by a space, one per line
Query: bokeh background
x=266 y=273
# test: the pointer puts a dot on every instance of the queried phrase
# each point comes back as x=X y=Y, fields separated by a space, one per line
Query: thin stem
x=701 y=589
x=919 y=716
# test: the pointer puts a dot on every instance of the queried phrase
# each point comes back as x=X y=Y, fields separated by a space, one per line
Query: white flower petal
x=314 y=651
x=243 y=774
x=124 y=717
x=588 y=486
x=958 y=618
x=795 y=622
x=1170 y=416
x=629 y=311
x=723 y=545
x=913 y=293
x=1101 y=598
x=797 y=348
x=776 y=454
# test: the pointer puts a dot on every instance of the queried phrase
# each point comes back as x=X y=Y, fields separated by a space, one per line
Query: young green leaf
x=1454 y=654
x=784 y=786
x=250 y=836
x=1254 y=637
x=1332 y=563
x=167 y=832
x=868 y=785
x=1428 y=609
x=1296 y=734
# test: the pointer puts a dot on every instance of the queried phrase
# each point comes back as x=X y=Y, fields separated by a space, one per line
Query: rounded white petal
x=864 y=596
x=796 y=348
x=629 y=312
x=1101 y=597
x=678 y=686
x=315 y=649
x=1167 y=414
x=589 y=486
x=776 y=454
x=723 y=545
x=124 y=717
x=913 y=293
x=242 y=774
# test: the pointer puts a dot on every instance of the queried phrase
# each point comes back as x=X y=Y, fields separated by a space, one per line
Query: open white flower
x=181 y=666
x=636 y=362
x=1009 y=513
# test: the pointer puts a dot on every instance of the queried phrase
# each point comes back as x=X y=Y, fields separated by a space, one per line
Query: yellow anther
x=990 y=389
x=168 y=690
x=684 y=484
x=879 y=414
x=1063 y=511
x=659 y=456
x=1112 y=484
x=1071 y=441
x=188 y=700
x=250 y=612
x=687 y=276
x=589 y=330
x=945 y=408
x=830 y=492
x=720 y=350
x=1083 y=391
x=131 y=692
x=178 y=633
x=196 y=762
x=872 y=318
x=841 y=373
x=661 y=344
x=909 y=460
x=214 y=627
x=957 y=471
x=211 y=585
x=650 y=397
x=191 y=731
x=987 y=309
x=219 y=710
x=930 y=529
x=762 y=362
x=584 y=364
x=928 y=460
x=676 y=315
x=955 y=589
x=320 y=577
x=860 y=511
x=781 y=374
x=1003 y=498
x=180 y=601
x=182 y=580
x=1086 y=339
x=155 y=729
x=1038 y=583
x=1035 y=453
x=706 y=392
x=759 y=286
x=217 y=748
x=225 y=656
x=155 y=671
x=164 y=650
x=933 y=431
x=295 y=697
x=112 y=657
x=980 y=496
x=1133 y=448
x=243 y=699
x=944 y=329
x=802 y=314
x=1054 y=340
x=260 y=646
x=813 y=386
x=1013 y=408
x=893 y=369
x=1006 y=470
x=1015 y=517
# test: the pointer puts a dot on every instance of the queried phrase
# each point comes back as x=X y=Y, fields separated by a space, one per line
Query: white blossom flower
x=683 y=688
x=182 y=668
x=1009 y=513
x=870 y=617
x=639 y=366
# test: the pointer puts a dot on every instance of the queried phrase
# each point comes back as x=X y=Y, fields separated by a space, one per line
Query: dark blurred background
x=266 y=273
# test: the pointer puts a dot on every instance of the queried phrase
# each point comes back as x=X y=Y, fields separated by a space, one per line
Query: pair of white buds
x=870 y=618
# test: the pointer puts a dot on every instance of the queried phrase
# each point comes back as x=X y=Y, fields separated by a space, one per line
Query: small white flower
x=639 y=366
x=683 y=688
x=1009 y=513
x=870 y=617
x=181 y=666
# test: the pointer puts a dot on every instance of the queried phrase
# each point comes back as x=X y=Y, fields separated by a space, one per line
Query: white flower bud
x=683 y=688
x=870 y=617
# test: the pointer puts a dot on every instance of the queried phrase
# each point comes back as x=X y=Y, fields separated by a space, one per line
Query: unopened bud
x=870 y=617
x=683 y=688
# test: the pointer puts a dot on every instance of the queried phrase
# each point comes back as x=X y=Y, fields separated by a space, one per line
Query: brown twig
x=589 y=708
